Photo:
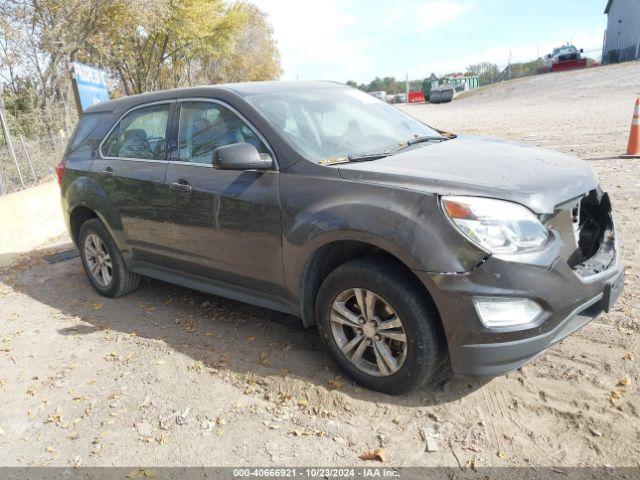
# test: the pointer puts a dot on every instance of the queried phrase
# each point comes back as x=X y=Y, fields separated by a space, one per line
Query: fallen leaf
x=336 y=382
x=263 y=358
x=501 y=454
x=378 y=454
x=142 y=473
x=624 y=382
x=615 y=395
x=196 y=366
x=222 y=360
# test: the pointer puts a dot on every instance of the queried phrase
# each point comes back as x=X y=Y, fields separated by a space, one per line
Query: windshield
x=338 y=122
x=565 y=50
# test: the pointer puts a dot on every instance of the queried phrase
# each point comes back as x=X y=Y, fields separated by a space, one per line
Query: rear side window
x=87 y=124
x=141 y=133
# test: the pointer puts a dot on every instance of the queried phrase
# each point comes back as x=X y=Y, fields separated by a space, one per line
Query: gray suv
x=415 y=252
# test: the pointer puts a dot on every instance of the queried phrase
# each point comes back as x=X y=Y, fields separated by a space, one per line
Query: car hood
x=537 y=178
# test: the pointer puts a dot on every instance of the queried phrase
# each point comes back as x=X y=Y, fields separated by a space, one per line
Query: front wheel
x=380 y=328
x=103 y=262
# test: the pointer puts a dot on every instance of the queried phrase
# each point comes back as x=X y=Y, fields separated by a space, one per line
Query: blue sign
x=91 y=84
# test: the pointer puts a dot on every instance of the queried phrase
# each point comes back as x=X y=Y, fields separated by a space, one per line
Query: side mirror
x=240 y=156
x=582 y=50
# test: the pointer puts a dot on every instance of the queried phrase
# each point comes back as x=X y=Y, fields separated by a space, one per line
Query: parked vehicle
x=567 y=57
x=442 y=94
x=414 y=251
x=400 y=98
x=380 y=95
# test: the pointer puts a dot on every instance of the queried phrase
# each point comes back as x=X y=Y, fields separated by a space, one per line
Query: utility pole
x=407 y=84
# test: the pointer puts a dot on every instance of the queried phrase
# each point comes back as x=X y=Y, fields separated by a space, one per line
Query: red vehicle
x=564 y=58
x=416 y=97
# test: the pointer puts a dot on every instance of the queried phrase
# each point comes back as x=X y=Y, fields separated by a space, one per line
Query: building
x=622 y=37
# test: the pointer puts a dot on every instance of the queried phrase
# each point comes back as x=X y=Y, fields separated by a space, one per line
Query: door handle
x=108 y=172
x=181 y=185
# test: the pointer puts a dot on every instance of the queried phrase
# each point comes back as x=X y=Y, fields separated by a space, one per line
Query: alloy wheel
x=98 y=259
x=368 y=331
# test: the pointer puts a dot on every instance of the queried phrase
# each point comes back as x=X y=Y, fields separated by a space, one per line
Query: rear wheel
x=103 y=262
x=380 y=328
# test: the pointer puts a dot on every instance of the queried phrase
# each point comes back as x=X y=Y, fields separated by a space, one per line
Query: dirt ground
x=167 y=376
x=35 y=218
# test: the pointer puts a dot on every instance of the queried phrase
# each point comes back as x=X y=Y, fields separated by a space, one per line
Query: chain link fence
x=34 y=161
x=32 y=142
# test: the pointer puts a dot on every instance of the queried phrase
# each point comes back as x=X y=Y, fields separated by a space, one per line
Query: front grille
x=567 y=57
x=586 y=229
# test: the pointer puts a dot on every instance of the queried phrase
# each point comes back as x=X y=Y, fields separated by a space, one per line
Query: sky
x=358 y=40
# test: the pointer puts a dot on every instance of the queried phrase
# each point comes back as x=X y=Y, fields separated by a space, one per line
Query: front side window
x=141 y=133
x=205 y=126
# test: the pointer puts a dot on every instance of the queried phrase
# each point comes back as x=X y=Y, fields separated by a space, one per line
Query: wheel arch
x=84 y=199
x=329 y=256
x=78 y=216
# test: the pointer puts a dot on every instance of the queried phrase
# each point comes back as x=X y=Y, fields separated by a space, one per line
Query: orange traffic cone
x=633 y=149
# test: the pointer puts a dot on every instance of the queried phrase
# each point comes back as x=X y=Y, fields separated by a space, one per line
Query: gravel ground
x=167 y=376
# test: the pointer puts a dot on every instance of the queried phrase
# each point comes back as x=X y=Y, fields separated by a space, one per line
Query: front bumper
x=570 y=301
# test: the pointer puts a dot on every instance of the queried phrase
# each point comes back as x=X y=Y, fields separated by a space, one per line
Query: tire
x=421 y=359
x=120 y=280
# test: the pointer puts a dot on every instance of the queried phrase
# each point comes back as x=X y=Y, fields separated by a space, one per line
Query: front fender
x=404 y=223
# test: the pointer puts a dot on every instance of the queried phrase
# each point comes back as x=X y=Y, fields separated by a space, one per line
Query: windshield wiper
x=427 y=138
x=423 y=139
x=367 y=157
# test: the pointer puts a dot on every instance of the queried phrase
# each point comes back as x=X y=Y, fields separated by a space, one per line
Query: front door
x=131 y=170
x=226 y=224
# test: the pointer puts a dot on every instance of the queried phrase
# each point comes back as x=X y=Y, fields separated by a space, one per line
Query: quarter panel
x=80 y=189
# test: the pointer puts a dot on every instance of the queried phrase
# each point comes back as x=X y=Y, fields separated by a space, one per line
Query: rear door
x=131 y=170
x=226 y=224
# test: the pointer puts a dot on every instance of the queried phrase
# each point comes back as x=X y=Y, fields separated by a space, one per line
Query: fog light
x=505 y=311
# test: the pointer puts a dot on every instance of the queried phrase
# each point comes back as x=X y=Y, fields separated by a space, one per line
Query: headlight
x=497 y=226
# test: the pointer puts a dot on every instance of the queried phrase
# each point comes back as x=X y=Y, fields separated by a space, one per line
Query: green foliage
x=526 y=69
x=486 y=71
x=386 y=84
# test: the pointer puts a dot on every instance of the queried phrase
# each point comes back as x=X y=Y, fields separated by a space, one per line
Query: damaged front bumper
x=571 y=294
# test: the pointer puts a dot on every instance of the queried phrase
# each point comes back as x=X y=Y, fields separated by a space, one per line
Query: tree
x=144 y=45
x=486 y=71
x=253 y=55
x=167 y=43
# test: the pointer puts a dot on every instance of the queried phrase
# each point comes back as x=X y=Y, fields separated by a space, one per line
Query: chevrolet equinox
x=413 y=250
